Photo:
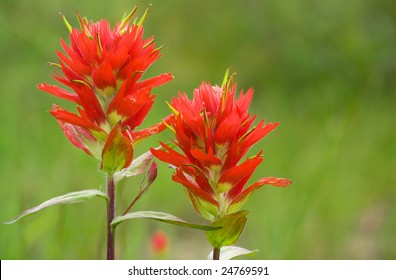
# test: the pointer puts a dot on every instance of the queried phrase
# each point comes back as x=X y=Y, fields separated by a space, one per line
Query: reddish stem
x=110 y=216
x=216 y=253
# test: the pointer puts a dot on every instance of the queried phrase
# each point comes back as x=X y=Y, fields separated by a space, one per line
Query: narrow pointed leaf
x=69 y=198
x=162 y=217
x=230 y=252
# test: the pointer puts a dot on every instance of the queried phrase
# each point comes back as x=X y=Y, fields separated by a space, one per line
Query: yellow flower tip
x=149 y=43
x=144 y=16
x=82 y=82
x=228 y=79
x=126 y=18
x=226 y=75
x=54 y=64
x=159 y=48
x=226 y=85
x=68 y=25
x=83 y=21
x=174 y=111
x=100 y=48
x=168 y=126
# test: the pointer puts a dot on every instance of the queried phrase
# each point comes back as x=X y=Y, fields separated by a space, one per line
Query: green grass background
x=326 y=70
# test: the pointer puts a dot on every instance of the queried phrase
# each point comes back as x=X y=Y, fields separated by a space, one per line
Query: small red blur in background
x=160 y=242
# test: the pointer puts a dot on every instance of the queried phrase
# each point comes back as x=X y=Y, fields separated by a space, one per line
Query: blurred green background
x=326 y=70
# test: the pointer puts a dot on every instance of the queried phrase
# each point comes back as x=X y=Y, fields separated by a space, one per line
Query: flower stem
x=110 y=216
x=216 y=253
x=133 y=202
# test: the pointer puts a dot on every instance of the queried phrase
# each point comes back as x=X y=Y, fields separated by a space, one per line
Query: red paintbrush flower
x=103 y=67
x=214 y=131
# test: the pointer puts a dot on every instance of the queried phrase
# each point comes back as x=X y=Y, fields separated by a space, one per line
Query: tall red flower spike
x=103 y=67
x=214 y=132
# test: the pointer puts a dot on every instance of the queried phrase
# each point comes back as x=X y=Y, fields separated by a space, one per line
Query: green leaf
x=137 y=166
x=69 y=198
x=232 y=227
x=230 y=252
x=162 y=217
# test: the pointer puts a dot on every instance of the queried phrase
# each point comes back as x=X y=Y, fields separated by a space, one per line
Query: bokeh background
x=326 y=70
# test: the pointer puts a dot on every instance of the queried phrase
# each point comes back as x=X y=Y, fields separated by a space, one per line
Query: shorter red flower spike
x=214 y=131
x=103 y=69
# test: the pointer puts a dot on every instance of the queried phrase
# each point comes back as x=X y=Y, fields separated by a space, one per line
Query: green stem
x=216 y=253
x=110 y=216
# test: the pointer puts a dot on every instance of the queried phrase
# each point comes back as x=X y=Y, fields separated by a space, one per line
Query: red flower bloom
x=214 y=132
x=103 y=68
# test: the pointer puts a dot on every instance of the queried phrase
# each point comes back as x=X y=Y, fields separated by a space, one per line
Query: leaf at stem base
x=230 y=252
x=162 y=217
x=69 y=198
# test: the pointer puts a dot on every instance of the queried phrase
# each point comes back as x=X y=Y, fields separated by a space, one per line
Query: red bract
x=214 y=131
x=103 y=67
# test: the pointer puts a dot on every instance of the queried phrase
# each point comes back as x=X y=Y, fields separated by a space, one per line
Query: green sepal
x=117 y=151
x=232 y=227
x=69 y=198
x=162 y=217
